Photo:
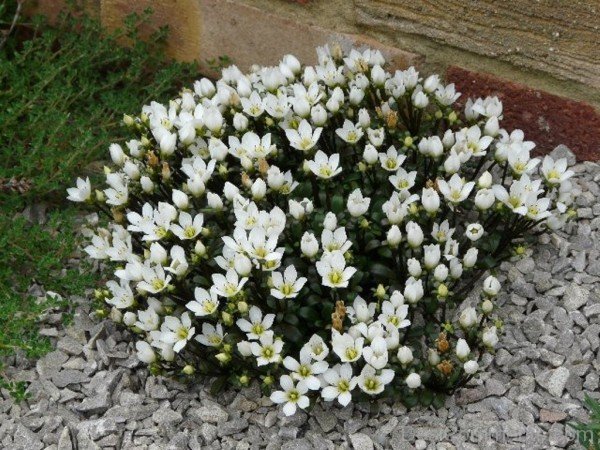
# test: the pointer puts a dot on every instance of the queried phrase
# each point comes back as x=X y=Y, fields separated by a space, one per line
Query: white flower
x=462 y=349
x=340 y=384
x=474 y=231
x=229 y=284
x=306 y=370
x=205 y=302
x=122 y=296
x=188 y=228
x=360 y=311
x=350 y=132
x=374 y=383
x=154 y=279
x=253 y=106
x=403 y=180
x=148 y=320
x=394 y=315
x=292 y=396
x=257 y=326
x=376 y=354
x=413 y=381
x=177 y=331
x=324 y=167
x=347 y=347
x=266 y=350
x=304 y=138
x=555 y=172
x=287 y=285
x=211 y=336
x=335 y=241
x=333 y=270
x=357 y=204
x=316 y=348
x=390 y=160
x=82 y=192
x=456 y=190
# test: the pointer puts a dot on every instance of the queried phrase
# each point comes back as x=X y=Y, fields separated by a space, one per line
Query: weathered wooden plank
x=559 y=37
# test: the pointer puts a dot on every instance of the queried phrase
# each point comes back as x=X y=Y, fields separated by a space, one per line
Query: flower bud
x=199 y=248
x=491 y=286
x=147 y=184
x=180 y=199
x=318 y=115
x=370 y=154
x=223 y=358
x=470 y=367
x=188 y=370
x=432 y=256
x=489 y=337
x=244 y=347
x=405 y=355
x=145 y=353
x=456 y=268
x=242 y=307
x=413 y=381
x=462 y=349
x=240 y=122
x=492 y=127
x=116 y=315
x=433 y=357
x=484 y=199
x=440 y=273
x=414 y=234
x=213 y=120
x=259 y=189
x=430 y=200
x=364 y=120
x=214 y=201
x=487 y=306
x=330 y=221
x=309 y=245
x=380 y=291
x=129 y=318
x=420 y=99
x=414 y=267
x=242 y=265
x=485 y=180
x=470 y=257
x=468 y=317
x=378 y=75
x=116 y=154
x=394 y=236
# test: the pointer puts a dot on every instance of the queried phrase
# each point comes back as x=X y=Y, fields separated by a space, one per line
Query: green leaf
x=337 y=204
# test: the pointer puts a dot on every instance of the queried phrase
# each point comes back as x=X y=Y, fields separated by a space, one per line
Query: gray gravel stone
x=361 y=441
x=575 y=297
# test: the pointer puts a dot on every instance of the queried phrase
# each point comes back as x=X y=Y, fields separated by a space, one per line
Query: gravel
x=92 y=393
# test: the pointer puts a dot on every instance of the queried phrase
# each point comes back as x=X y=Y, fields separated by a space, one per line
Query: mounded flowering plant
x=318 y=228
